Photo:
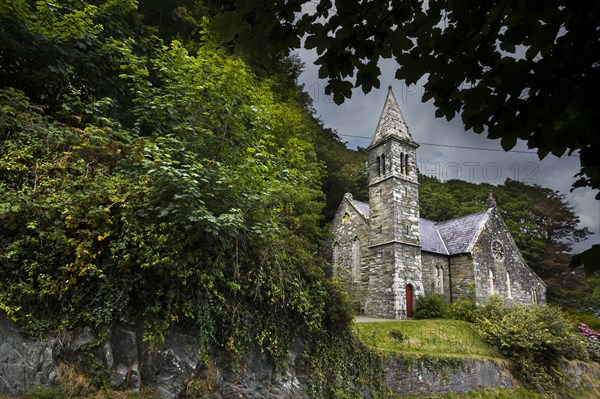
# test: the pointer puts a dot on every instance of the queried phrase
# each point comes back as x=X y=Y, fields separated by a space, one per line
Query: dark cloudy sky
x=359 y=115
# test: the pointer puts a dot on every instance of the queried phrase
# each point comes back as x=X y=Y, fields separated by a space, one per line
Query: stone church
x=391 y=256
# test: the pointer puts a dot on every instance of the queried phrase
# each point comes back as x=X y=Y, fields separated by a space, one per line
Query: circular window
x=497 y=250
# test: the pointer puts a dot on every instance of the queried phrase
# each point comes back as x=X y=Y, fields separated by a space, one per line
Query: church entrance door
x=409 y=300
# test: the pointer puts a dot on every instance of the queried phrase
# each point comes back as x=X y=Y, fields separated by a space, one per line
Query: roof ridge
x=478 y=231
x=460 y=217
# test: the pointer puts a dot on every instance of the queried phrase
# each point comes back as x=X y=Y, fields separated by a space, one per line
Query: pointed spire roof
x=391 y=121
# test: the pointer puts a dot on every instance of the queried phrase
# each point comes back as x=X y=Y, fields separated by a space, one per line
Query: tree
x=345 y=170
x=515 y=69
x=158 y=183
x=197 y=200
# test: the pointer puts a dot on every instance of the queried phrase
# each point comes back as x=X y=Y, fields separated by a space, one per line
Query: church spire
x=391 y=121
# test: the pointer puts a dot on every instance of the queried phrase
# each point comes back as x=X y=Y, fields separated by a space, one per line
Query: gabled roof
x=460 y=234
x=452 y=237
x=361 y=207
x=391 y=122
x=431 y=240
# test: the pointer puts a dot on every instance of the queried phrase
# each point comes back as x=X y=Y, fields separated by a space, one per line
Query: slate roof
x=458 y=234
x=391 y=121
x=451 y=237
x=431 y=240
x=361 y=207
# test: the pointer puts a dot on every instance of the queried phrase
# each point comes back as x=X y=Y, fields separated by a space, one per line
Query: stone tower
x=395 y=277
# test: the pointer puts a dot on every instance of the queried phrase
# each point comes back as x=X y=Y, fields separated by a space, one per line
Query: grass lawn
x=425 y=337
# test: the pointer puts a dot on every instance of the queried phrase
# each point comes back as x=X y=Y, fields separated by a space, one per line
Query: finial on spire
x=490 y=202
x=389 y=87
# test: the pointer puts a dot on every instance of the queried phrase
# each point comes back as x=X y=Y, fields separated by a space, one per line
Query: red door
x=409 y=300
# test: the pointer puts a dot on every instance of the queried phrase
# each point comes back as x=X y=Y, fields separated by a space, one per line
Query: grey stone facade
x=390 y=256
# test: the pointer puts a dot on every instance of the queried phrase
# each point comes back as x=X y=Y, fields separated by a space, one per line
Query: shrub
x=432 y=306
x=463 y=309
x=535 y=339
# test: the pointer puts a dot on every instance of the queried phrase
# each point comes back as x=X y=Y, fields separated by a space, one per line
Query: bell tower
x=394 y=215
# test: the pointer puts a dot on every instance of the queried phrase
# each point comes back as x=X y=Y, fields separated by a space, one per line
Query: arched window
x=402 y=162
x=491 y=281
x=356 y=259
x=406 y=165
x=336 y=253
x=439 y=279
x=508 y=286
x=378 y=166
x=534 y=297
x=383 y=170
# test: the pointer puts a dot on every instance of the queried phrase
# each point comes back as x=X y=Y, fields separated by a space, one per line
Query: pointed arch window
x=406 y=165
x=356 y=259
x=378 y=166
x=534 y=296
x=402 y=162
x=439 y=279
x=491 y=282
x=336 y=253
x=383 y=169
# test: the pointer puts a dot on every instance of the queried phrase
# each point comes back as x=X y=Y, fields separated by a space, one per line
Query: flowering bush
x=592 y=341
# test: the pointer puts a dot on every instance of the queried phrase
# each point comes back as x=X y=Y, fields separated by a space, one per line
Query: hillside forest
x=150 y=175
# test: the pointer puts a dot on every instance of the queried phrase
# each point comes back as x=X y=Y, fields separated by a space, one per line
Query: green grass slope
x=416 y=338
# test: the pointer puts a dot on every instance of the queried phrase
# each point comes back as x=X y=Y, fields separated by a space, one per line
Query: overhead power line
x=451 y=146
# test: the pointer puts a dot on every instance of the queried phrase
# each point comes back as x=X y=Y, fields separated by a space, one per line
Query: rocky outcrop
x=24 y=363
x=431 y=374
x=128 y=364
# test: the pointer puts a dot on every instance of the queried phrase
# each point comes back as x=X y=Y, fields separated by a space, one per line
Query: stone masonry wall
x=429 y=263
x=408 y=271
x=461 y=276
x=347 y=226
x=381 y=294
x=394 y=194
x=510 y=277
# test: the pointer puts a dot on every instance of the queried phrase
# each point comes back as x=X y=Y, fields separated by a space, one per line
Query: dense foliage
x=433 y=306
x=514 y=69
x=101 y=223
x=535 y=338
x=144 y=183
